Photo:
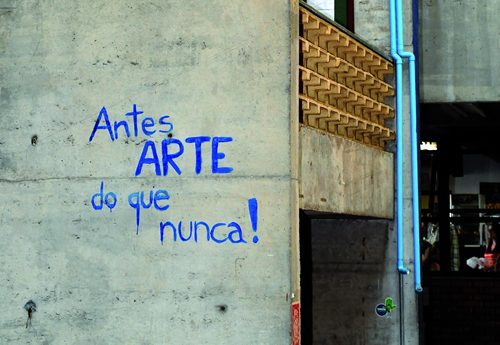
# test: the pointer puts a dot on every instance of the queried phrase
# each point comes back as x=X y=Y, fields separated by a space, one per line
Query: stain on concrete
x=221 y=308
x=6 y=163
x=30 y=307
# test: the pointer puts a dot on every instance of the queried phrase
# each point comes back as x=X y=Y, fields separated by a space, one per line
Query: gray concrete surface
x=221 y=69
x=342 y=176
x=459 y=50
x=372 y=22
x=353 y=272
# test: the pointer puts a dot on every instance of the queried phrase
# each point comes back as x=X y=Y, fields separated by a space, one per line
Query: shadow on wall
x=348 y=267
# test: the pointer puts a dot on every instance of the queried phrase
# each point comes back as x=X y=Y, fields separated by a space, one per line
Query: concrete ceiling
x=469 y=128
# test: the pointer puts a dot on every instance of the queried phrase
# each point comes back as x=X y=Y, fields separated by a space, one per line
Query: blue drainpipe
x=399 y=140
x=414 y=142
x=416 y=137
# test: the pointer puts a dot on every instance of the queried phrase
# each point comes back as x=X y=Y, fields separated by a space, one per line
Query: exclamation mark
x=253 y=209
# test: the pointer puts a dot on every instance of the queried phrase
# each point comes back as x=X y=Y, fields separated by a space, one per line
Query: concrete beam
x=342 y=176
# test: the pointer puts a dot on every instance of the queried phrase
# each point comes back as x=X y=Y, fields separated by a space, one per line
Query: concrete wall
x=371 y=22
x=217 y=71
x=342 y=176
x=459 y=50
x=353 y=271
x=371 y=19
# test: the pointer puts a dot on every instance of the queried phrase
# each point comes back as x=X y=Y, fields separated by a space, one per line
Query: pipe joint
x=402 y=269
x=407 y=55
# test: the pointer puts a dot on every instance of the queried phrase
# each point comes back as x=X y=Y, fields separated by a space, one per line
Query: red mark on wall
x=296 y=323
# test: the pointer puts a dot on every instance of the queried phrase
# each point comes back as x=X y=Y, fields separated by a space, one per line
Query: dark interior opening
x=460 y=209
x=343 y=262
x=344 y=13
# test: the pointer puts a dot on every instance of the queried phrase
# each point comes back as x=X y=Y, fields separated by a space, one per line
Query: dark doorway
x=343 y=268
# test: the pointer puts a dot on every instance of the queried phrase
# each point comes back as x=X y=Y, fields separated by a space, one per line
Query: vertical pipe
x=416 y=128
x=399 y=140
x=414 y=143
x=415 y=43
x=415 y=177
x=401 y=310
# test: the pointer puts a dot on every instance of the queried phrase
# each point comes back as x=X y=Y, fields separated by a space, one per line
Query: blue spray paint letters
x=163 y=121
x=148 y=124
x=194 y=228
x=219 y=232
x=182 y=231
x=134 y=113
x=168 y=157
x=198 y=141
x=217 y=156
x=144 y=159
x=102 y=113
x=171 y=158
x=123 y=124
x=172 y=149
x=137 y=200
x=109 y=199
x=253 y=209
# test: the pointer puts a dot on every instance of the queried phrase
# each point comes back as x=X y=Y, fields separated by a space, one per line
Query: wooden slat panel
x=332 y=67
x=335 y=121
x=343 y=86
x=338 y=95
x=323 y=34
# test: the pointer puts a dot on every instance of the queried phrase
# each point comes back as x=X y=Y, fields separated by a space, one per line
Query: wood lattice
x=343 y=88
